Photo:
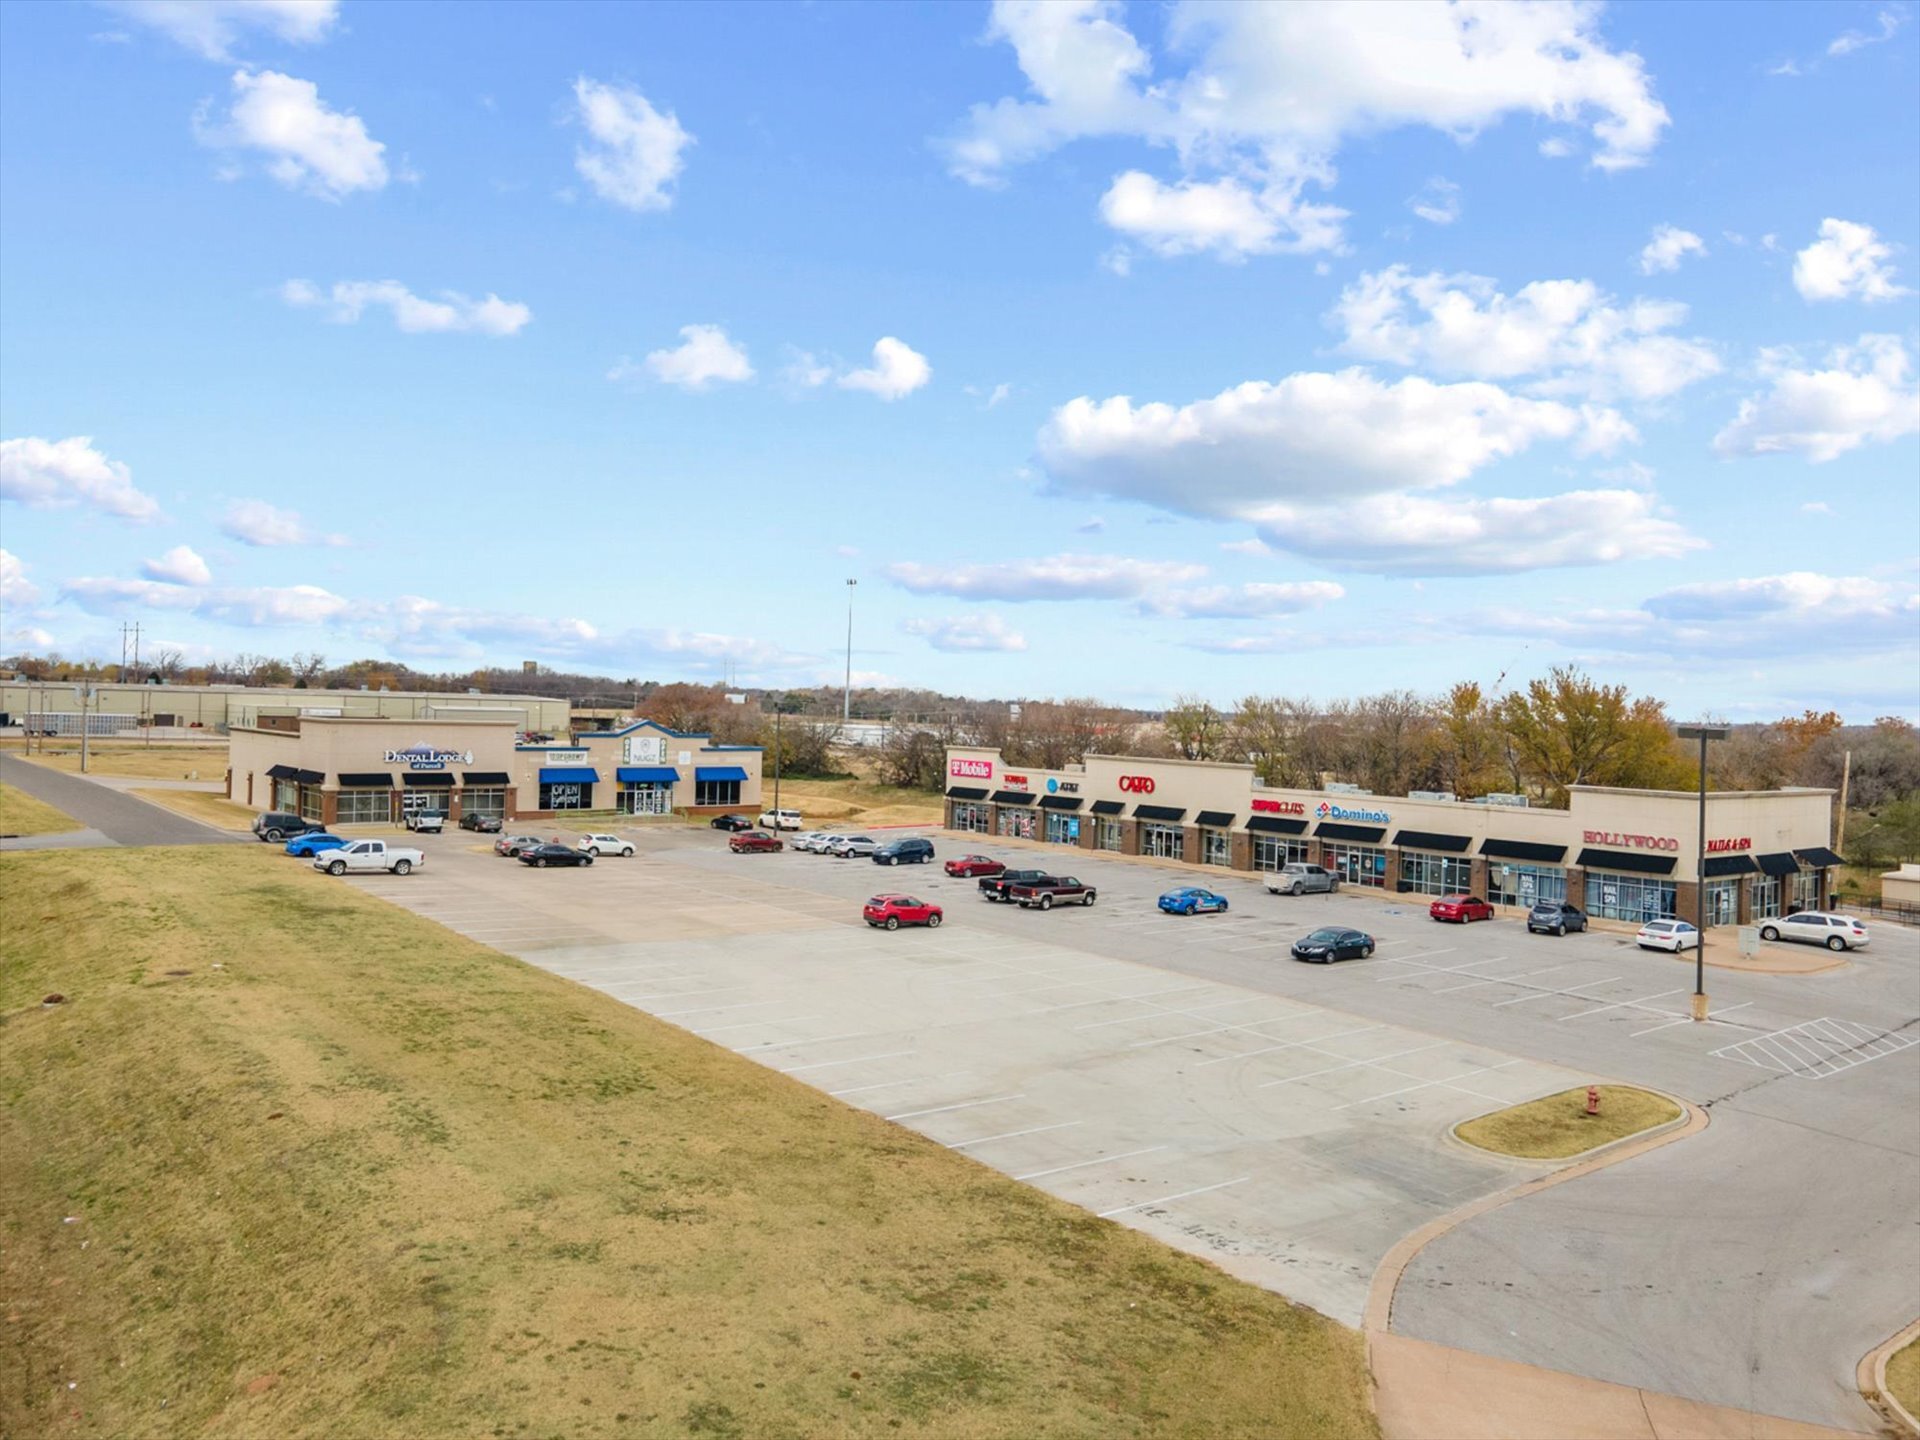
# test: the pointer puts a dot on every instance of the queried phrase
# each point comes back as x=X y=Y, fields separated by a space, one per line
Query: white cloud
x=212 y=28
x=707 y=357
x=1847 y=41
x=1768 y=598
x=968 y=633
x=15 y=588
x=251 y=606
x=1556 y=147
x=1568 y=334
x=181 y=565
x=804 y=369
x=56 y=474
x=1244 y=602
x=1092 y=525
x=1866 y=393
x=449 y=313
x=255 y=522
x=1847 y=261
x=1816 y=507
x=308 y=146
x=1054 y=577
x=1271 y=92
x=633 y=153
x=1437 y=202
x=898 y=369
x=1668 y=247
x=31 y=637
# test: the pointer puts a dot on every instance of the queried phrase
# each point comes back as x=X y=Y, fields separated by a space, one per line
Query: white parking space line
x=1154 y=1010
x=1435 y=969
x=1544 y=994
x=796 y=1044
x=1497 y=980
x=963 y=1105
x=1290 y=1045
x=1376 y=1060
x=753 y=1024
x=1113 y=1000
x=828 y=1064
x=1820 y=1049
x=1252 y=1026
x=891 y=1084
x=1015 y=1134
x=1412 y=959
x=1169 y=1199
x=1429 y=1084
x=1639 y=1004
x=1083 y=1164
x=1688 y=1020
x=716 y=1009
x=667 y=994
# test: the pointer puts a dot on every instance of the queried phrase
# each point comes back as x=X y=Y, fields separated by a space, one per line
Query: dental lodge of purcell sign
x=425 y=757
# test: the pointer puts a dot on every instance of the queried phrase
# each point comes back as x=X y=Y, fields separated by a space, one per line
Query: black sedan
x=731 y=822
x=1332 y=943
x=486 y=824
x=541 y=856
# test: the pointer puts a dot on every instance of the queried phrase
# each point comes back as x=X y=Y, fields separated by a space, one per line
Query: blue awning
x=647 y=774
x=719 y=772
x=568 y=775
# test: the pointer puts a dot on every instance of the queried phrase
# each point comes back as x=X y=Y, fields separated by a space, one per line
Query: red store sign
x=1631 y=842
x=1136 y=784
x=971 y=769
x=1013 y=779
x=1715 y=847
x=1281 y=807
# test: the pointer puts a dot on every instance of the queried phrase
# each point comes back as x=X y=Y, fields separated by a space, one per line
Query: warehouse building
x=62 y=707
x=1618 y=854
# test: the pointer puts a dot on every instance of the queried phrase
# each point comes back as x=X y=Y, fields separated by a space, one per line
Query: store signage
x=1281 y=807
x=564 y=757
x=1715 y=847
x=1327 y=810
x=1071 y=787
x=970 y=769
x=646 y=750
x=1619 y=841
x=1012 y=779
x=1136 y=784
x=426 y=757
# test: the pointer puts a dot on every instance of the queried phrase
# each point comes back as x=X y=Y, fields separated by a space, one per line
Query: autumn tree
x=1467 y=744
x=1567 y=731
x=1196 y=729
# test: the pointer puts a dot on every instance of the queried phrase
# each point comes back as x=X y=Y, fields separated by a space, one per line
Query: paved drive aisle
x=117 y=818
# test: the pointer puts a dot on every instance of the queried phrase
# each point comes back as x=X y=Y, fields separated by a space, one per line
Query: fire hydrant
x=1593 y=1099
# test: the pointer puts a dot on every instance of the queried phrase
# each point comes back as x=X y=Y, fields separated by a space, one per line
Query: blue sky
x=1115 y=350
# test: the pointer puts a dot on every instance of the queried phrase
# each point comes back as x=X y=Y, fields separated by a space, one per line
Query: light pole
x=1702 y=733
x=779 y=703
x=846 y=696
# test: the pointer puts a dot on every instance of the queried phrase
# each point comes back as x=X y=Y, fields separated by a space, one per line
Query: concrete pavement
x=118 y=819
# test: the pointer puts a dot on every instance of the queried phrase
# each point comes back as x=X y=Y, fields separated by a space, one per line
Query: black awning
x=1366 y=834
x=371 y=780
x=1012 y=797
x=1626 y=860
x=1780 y=863
x=310 y=777
x=1523 y=850
x=1431 y=840
x=1819 y=857
x=1721 y=866
x=1214 y=819
x=1158 y=812
x=431 y=782
x=1107 y=807
x=1274 y=825
x=487 y=777
x=965 y=792
x=281 y=772
x=1059 y=802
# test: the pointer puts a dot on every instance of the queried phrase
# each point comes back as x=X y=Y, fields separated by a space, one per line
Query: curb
x=1871 y=1378
x=1603 y=1150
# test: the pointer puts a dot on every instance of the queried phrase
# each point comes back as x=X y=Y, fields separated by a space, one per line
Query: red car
x=968 y=866
x=1460 y=908
x=890 y=912
x=753 y=840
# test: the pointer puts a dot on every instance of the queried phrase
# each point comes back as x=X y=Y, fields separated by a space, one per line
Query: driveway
x=112 y=817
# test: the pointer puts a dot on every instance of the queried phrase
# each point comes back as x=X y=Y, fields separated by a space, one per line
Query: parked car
x=364 y=856
x=427 y=822
x=512 y=845
x=312 y=843
x=1555 y=917
x=1051 y=890
x=890 y=912
x=780 y=820
x=854 y=846
x=731 y=822
x=822 y=844
x=751 y=842
x=540 y=856
x=1818 y=927
x=485 y=824
x=968 y=866
x=277 y=825
x=598 y=845
x=1298 y=879
x=1331 y=943
x=1674 y=935
x=1460 y=909
x=907 y=851
x=1192 y=900
x=995 y=886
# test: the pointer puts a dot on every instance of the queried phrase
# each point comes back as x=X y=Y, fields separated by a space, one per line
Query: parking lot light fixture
x=1703 y=733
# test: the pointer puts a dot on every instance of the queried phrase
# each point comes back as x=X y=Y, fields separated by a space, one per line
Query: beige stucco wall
x=1902 y=886
x=331 y=745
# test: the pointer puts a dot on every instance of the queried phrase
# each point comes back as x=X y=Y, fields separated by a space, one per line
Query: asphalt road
x=121 y=819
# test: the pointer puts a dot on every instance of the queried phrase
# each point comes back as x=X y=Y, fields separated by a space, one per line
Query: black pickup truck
x=994 y=887
x=1050 y=890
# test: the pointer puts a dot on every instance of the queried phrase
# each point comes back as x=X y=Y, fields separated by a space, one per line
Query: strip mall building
x=1618 y=854
x=355 y=770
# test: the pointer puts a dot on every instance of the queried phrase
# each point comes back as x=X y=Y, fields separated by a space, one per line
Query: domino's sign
x=1327 y=810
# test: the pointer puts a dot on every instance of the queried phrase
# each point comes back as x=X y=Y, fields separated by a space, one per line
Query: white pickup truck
x=368 y=855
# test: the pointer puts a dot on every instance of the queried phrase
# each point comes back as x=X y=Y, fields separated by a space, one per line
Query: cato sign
x=1136 y=784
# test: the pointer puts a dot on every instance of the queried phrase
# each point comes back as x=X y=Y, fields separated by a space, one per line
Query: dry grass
x=132 y=760
x=332 y=1170
x=208 y=807
x=854 y=802
x=1903 y=1377
x=1557 y=1127
x=22 y=814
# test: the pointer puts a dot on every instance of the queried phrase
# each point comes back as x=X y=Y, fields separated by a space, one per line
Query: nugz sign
x=1136 y=784
x=971 y=769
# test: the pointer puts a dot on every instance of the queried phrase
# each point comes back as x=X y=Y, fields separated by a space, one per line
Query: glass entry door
x=422 y=802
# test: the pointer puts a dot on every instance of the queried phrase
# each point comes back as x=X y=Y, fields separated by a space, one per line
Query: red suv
x=752 y=840
x=890 y=912
x=968 y=866
x=1461 y=908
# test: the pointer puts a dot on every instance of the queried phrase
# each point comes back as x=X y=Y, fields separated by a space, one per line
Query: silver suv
x=1300 y=879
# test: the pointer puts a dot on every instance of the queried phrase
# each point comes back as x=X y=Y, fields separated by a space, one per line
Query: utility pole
x=846 y=697
x=1846 y=777
x=1702 y=733
x=86 y=694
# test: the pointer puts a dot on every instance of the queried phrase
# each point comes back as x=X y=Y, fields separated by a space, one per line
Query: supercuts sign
x=970 y=769
x=1280 y=807
x=1616 y=840
x=1136 y=784
x=426 y=757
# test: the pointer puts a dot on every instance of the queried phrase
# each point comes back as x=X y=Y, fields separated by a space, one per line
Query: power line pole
x=846 y=698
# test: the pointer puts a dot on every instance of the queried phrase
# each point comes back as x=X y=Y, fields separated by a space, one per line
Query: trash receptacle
x=1749 y=940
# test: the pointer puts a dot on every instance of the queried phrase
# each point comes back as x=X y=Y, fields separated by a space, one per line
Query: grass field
x=208 y=807
x=1557 y=1127
x=1903 y=1377
x=291 y=1162
x=854 y=802
x=132 y=760
x=22 y=814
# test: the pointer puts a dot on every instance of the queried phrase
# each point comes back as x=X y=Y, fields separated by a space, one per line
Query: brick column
x=513 y=804
x=1089 y=832
x=1241 y=853
x=454 y=798
x=1129 y=837
x=1686 y=902
x=1190 y=851
x=1743 y=903
x=1481 y=881
x=329 y=807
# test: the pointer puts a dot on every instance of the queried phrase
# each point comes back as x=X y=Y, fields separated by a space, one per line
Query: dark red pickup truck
x=1050 y=890
x=994 y=887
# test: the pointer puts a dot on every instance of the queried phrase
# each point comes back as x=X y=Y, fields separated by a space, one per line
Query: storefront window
x=1063 y=829
x=970 y=818
x=1806 y=891
x=716 y=792
x=1168 y=842
x=646 y=798
x=1765 y=897
x=1723 y=902
x=365 y=807
x=286 y=796
x=424 y=801
x=1109 y=836
x=1525 y=884
x=1427 y=874
x=487 y=800
x=1358 y=864
x=1270 y=852
x=570 y=795
x=1017 y=823
x=1638 y=898
x=1216 y=847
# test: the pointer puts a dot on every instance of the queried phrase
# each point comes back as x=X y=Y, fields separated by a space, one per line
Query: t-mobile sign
x=970 y=769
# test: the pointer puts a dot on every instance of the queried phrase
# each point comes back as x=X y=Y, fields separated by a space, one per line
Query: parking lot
x=1291 y=1122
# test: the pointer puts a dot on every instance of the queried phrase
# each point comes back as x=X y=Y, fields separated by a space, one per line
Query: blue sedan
x=1193 y=901
x=312 y=843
